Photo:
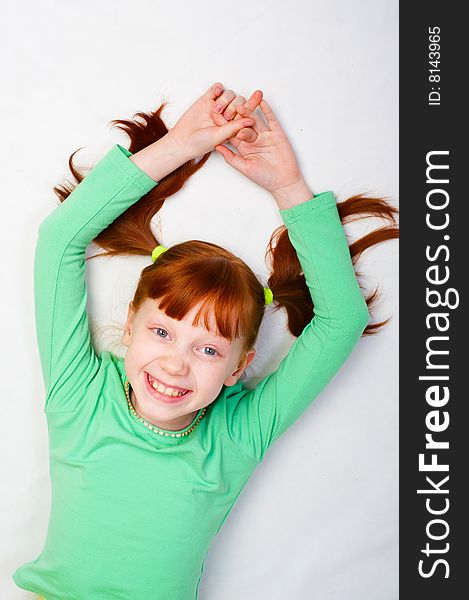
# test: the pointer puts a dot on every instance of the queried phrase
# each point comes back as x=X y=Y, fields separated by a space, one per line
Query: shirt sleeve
x=257 y=418
x=68 y=360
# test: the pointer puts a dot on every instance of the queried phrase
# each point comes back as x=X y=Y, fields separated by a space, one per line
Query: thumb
x=225 y=132
x=234 y=160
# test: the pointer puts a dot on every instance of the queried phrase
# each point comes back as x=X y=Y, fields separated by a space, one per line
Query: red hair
x=223 y=283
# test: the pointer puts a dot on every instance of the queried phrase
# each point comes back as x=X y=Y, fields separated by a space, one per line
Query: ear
x=127 y=336
x=245 y=362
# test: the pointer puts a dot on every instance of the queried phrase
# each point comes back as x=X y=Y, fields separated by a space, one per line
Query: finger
x=254 y=100
x=226 y=115
x=229 y=130
x=247 y=134
x=230 y=110
x=231 y=158
x=259 y=126
x=223 y=101
x=214 y=90
x=269 y=115
x=218 y=119
x=250 y=104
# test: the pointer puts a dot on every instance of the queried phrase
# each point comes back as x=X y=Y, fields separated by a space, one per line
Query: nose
x=174 y=363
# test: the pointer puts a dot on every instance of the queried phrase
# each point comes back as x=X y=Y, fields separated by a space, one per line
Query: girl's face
x=180 y=356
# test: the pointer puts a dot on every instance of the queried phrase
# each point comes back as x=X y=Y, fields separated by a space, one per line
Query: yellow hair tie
x=157 y=251
x=268 y=295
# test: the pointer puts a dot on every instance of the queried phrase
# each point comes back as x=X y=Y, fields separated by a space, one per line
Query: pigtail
x=131 y=233
x=287 y=281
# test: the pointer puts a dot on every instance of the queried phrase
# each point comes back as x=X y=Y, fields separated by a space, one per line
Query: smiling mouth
x=168 y=395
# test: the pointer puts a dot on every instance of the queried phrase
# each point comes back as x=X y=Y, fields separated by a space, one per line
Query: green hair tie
x=268 y=295
x=157 y=251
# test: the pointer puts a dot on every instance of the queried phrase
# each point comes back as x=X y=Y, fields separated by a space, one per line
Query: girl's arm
x=68 y=360
x=117 y=181
x=256 y=418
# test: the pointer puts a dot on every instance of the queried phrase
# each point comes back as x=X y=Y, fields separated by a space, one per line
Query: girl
x=148 y=454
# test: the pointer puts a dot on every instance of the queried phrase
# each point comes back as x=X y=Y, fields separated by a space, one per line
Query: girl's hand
x=195 y=133
x=225 y=110
x=268 y=161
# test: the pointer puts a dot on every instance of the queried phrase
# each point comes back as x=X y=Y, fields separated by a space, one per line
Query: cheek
x=141 y=351
x=201 y=371
x=212 y=376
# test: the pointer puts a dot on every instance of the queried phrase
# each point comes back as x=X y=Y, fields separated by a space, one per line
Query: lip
x=162 y=397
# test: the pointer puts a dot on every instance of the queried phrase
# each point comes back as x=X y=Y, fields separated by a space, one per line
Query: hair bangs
x=213 y=284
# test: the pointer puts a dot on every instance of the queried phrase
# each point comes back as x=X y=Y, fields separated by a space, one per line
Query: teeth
x=166 y=391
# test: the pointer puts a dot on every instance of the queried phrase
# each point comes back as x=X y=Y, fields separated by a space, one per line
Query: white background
x=319 y=517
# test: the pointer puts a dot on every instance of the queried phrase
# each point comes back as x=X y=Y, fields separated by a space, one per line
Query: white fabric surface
x=318 y=520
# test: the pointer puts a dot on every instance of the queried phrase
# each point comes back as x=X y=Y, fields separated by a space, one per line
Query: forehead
x=150 y=311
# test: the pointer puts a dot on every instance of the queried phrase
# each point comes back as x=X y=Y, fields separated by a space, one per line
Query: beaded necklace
x=157 y=429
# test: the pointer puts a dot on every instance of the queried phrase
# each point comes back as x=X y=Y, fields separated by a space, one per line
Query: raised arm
x=256 y=418
x=117 y=181
x=68 y=361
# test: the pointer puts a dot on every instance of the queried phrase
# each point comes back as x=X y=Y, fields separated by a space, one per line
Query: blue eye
x=162 y=333
x=212 y=349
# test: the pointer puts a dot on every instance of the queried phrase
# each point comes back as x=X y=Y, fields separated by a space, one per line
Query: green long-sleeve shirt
x=133 y=512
